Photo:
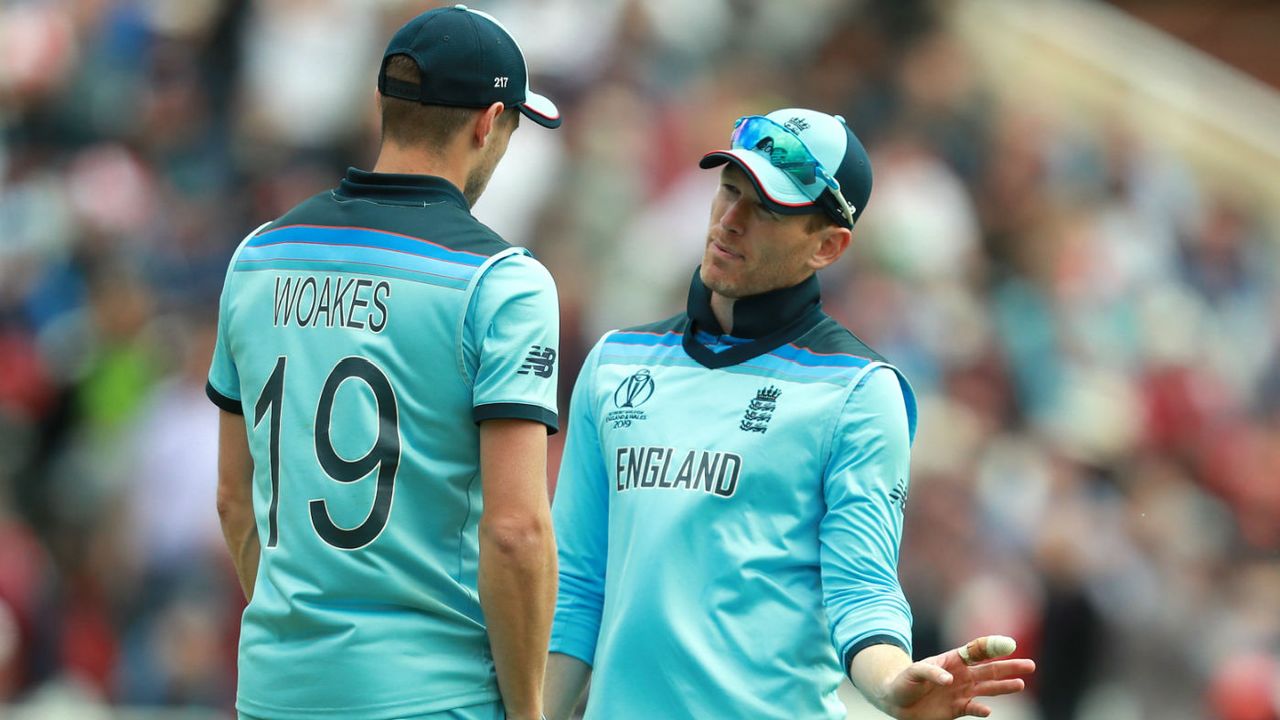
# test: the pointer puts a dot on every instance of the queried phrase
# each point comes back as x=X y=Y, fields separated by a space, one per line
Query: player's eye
x=768 y=214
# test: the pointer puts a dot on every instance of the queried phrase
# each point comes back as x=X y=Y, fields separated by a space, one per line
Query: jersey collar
x=400 y=189
x=768 y=320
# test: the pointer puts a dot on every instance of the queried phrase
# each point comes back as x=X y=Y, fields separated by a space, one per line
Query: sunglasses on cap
x=787 y=152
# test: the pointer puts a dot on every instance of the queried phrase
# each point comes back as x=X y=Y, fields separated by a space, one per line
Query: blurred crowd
x=1091 y=328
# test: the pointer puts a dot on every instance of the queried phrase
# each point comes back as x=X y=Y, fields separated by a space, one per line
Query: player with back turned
x=386 y=369
x=730 y=502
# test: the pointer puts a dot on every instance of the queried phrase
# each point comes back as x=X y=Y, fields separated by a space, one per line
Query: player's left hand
x=947 y=686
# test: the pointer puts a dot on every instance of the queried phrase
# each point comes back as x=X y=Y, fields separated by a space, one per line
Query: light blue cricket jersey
x=363 y=336
x=728 y=522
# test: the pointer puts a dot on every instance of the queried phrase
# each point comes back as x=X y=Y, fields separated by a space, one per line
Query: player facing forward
x=386 y=369
x=731 y=497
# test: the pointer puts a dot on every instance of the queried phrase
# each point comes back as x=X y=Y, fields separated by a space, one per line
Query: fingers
x=929 y=673
x=987 y=647
x=1003 y=669
x=975 y=709
x=992 y=688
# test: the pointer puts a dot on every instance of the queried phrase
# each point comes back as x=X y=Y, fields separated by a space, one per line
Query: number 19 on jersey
x=384 y=456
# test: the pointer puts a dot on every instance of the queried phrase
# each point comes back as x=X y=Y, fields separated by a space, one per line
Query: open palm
x=947 y=686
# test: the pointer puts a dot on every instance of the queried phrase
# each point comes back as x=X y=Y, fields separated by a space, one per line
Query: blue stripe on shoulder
x=808 y=358
x=361 y=249
x=351 y=267
x=355 y=237
x=774 y=364
x=787 y=362
x=633 y=337
x=629 y=346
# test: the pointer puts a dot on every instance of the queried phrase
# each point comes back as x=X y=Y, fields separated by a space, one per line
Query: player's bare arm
x=235 y=499
x=941 y=687
x=517 y=559
x=567 y=678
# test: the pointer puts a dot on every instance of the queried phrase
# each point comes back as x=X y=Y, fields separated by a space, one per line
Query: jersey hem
x=517 y=411
x=370 y=712
x=231 y=405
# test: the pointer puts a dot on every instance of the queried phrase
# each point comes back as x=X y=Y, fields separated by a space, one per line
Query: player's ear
x=486 y=122
x=833 y=240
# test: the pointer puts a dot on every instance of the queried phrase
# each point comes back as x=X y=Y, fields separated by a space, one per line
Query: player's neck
x=414 y=161
x=722 y=308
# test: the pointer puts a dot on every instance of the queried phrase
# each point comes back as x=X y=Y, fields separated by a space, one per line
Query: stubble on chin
x=716 y=282
x=713 y=271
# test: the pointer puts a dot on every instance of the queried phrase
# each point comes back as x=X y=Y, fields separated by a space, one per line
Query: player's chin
x=716 y=276
x=726 y=285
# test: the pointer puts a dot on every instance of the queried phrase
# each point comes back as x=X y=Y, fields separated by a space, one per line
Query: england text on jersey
x=712 y=472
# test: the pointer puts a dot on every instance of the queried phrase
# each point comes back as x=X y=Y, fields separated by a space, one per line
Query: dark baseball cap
x=826 y=171
x=467 y=59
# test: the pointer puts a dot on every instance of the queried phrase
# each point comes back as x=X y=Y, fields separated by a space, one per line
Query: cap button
x=460 y=6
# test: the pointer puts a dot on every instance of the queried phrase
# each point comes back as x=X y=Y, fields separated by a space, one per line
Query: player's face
x=751 y=250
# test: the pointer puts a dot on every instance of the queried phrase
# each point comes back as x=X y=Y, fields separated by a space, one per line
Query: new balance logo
x=760 y=410
x=899 y=495
x=541 y=362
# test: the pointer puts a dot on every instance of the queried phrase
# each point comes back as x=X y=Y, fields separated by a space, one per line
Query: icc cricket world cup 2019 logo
x=634 y=391
x=631 y=394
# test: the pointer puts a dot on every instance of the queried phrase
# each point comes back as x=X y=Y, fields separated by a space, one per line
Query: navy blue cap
x=467 y=59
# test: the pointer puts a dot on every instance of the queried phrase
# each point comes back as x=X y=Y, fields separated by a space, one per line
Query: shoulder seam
x=829 y=441
x=472 y=286
x=594 y=356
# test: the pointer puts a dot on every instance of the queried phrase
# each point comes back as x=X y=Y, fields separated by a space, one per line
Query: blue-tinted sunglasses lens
x=784 y=150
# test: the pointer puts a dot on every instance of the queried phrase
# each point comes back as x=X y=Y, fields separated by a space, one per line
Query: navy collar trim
x=768 y=320
x=400 y=189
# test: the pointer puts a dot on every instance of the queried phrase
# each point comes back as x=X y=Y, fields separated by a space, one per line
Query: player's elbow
x=518 y=537
x=228 y=510
x=233 y=504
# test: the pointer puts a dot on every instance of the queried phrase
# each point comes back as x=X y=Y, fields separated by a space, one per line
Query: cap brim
x=775 y=188
x=541 y=110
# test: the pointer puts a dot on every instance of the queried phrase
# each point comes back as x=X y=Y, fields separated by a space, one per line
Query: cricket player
x=730 y=502
x=386 y=367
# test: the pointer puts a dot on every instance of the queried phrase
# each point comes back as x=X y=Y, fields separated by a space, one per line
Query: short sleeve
x=865 y=490
x=223 y=386
x=511 y=340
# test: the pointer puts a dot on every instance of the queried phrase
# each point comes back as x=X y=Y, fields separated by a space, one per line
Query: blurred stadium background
x=1070 y=248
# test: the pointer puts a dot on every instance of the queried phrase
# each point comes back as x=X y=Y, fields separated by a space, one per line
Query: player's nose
x=733 y=219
